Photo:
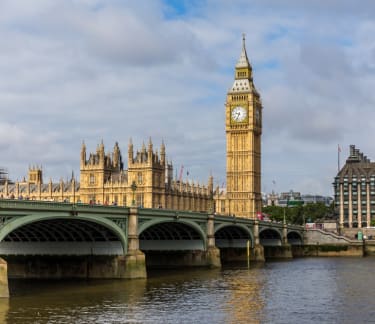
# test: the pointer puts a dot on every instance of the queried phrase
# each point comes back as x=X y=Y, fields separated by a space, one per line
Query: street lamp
x=133 y=187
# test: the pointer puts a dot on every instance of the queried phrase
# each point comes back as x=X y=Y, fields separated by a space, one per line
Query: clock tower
x=243 y=111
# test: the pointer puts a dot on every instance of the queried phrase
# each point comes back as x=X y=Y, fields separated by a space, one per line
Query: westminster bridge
x=62 y=240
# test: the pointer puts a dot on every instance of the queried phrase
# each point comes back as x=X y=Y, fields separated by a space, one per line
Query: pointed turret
x=243 y=61
x=101 y=153
x=243 y=82
x=130 y=151
x=149 y=151
x=162 y=153
x=83 y=153
x=210 y=184
x=143 y=153
x=243 y=71
x=116 y=156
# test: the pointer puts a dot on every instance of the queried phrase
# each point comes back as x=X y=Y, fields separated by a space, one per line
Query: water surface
x=311 y=290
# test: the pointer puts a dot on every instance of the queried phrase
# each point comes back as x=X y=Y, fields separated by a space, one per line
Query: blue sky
x=92 y=70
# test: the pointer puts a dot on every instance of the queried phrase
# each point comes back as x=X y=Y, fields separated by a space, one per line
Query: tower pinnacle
x=243 y=61
x=243 y=71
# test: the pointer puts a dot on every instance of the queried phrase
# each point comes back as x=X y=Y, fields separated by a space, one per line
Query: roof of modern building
x=357 y=165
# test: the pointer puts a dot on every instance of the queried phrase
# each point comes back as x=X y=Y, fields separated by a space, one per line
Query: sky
x=111 y=70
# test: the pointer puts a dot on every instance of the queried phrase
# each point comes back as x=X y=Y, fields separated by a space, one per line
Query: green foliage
x=299 y=214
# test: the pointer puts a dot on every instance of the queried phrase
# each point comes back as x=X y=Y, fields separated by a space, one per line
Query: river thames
x=306 y=290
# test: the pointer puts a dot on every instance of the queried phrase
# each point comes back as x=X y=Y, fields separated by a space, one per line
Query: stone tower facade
x=147 y=170
x=97 y=172
x=243 y=126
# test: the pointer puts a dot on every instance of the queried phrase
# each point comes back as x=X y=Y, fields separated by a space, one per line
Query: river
x=306 y=290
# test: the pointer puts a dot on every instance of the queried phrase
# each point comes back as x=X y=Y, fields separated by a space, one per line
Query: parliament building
x=148 y=182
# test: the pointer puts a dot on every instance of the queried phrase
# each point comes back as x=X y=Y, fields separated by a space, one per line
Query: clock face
x=238 y=114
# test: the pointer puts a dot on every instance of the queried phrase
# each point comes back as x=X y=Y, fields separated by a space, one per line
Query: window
x=92 y=179
x=140 y=178
x=139 y=200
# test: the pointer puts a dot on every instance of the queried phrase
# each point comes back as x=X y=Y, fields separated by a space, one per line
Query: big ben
x=243 y=142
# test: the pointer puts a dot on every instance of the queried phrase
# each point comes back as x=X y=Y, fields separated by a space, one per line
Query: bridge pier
x=4 y=289
x=134 y=261
x=283 y=251
x=278 y=252
x=258 y=250
x=213 y=253
x=286 y=248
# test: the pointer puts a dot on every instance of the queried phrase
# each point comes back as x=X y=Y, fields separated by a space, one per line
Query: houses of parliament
x=148 y=181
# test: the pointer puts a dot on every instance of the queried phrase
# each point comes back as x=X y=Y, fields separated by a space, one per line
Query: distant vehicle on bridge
x=263 y=217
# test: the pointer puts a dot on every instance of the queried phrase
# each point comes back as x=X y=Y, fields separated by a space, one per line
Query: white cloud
x=92 y=70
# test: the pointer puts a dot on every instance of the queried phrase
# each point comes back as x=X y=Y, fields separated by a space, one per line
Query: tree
x=300 y=214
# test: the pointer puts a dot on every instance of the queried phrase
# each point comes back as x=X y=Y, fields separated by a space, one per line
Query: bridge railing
x=32 y=204
x=170 y=213
x=9 y=204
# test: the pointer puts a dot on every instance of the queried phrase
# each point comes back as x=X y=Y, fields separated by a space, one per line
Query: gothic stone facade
x=103 y=180
x=243 y=110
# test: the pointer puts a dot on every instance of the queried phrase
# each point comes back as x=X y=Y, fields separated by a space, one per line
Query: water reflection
x=4 y=309
x=326 y=290
x=210 y=296
x=72 y=301
x=245 y=304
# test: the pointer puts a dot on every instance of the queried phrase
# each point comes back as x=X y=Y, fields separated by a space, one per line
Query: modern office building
x=314 y=199
x=295 y=198
x=354 y=187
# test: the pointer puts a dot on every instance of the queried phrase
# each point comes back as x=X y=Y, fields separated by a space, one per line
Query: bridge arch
x=270 y=237
x=233 y=235
x=169 y=235
x=294 y=238
x=68 y=229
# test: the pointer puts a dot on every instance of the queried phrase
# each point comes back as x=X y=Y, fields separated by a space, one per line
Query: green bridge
x=63 y=240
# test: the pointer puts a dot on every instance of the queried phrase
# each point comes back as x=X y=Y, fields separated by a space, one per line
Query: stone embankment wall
x=321 y=243
x=369 y=247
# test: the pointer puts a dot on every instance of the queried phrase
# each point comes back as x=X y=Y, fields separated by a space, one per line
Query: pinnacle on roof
x=243 y=61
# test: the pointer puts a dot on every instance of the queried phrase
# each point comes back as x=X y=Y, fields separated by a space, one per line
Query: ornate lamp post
x=133 y=188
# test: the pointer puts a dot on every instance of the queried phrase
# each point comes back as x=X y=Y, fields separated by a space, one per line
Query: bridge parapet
x=32 y=205
x=155 y=212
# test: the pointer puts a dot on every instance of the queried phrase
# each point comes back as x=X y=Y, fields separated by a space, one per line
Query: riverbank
x=321 y=243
